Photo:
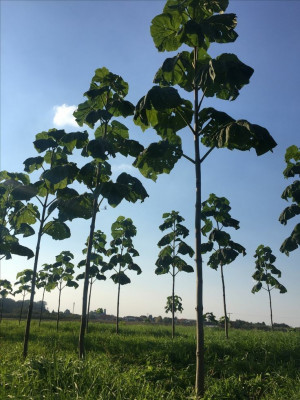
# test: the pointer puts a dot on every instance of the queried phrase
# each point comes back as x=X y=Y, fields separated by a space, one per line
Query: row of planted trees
x=195 y=25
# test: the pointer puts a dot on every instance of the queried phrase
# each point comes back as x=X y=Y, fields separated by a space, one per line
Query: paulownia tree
x=15 y=216
x=174 y=304
x=105 y=101
x=24 y=287
x=264 y=274
x=98 y=250
x=170 y=257
x=43 y=282
x=292 y=193
x=5 y=290
x=61 y=273
x=54 y=147
x=215 y=215
x=210 y=317
x=122 y=252
x=195 y=25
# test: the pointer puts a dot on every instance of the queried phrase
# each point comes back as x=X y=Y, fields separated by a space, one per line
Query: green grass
x=143 y=363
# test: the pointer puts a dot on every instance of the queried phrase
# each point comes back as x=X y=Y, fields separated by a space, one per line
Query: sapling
x=170 y=257
x=98 y=250
x=264 y=274
x=25 y=278
x=122 y=252
x=5 y=290
x=62 y=274
x=215 y=215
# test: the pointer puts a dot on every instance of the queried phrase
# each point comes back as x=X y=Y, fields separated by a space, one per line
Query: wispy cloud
x=122 y=168
x=63 y=115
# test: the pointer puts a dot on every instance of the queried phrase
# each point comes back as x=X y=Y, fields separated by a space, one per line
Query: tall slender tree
x=195 y=24
x=58 y=173
x=170 y=257
x=105 y=101
x=264 y=274
x=292 y=193
x=216 y=217
x=122 y=251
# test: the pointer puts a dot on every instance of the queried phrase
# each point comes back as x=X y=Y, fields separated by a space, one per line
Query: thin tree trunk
x=86 y=280
x=41 y=311
x=270 y=302
x=21 y=312
x=173 y=305
x=36 y=258
x=58 y=308
x=88 y=311
x=199 y=381
x=1 y=309
x=118 y=308
x=224 y=303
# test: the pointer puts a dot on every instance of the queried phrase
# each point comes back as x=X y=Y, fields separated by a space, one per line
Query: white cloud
x=63 y=115
x=122 y=167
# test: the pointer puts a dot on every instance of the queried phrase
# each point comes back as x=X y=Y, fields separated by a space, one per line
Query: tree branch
x=206 y=154
x=188 y=158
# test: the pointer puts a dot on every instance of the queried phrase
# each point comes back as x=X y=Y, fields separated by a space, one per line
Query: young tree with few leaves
x=174 y=304
x=25 y=279
x=169 y=258
x=5 y=290
x=210 y=317
x=292 y=193
x=43 y=282
x=195 y=25
x=264 y=274
x=105 y=101
x=61 y=273
x=98 y=250
x=215 y=215
x=121 y=255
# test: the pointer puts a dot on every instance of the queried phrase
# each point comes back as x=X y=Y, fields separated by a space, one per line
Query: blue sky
x=49 y=52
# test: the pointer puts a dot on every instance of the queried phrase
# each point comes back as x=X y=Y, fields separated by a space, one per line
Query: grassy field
x=143 y=363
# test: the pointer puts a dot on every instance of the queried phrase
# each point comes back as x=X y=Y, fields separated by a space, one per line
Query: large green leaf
x=221 y=237
x=60 y=176
x=74 y=139
x=44 y=144
x=90 y=176
x=25 y=230
x=292 y=242
x=126 y=187
x=292 y=192
x=120 y=278
x=184 y=249
x=222 y=131
x=164 y=31
x=158 y=158
x=33 y=163
x=17 y=249
x=288 y=213
x=57 y=230
x=80 y=206
x=24 y=192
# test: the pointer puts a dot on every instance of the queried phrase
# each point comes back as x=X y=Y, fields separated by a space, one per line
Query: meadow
x=144 y=363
